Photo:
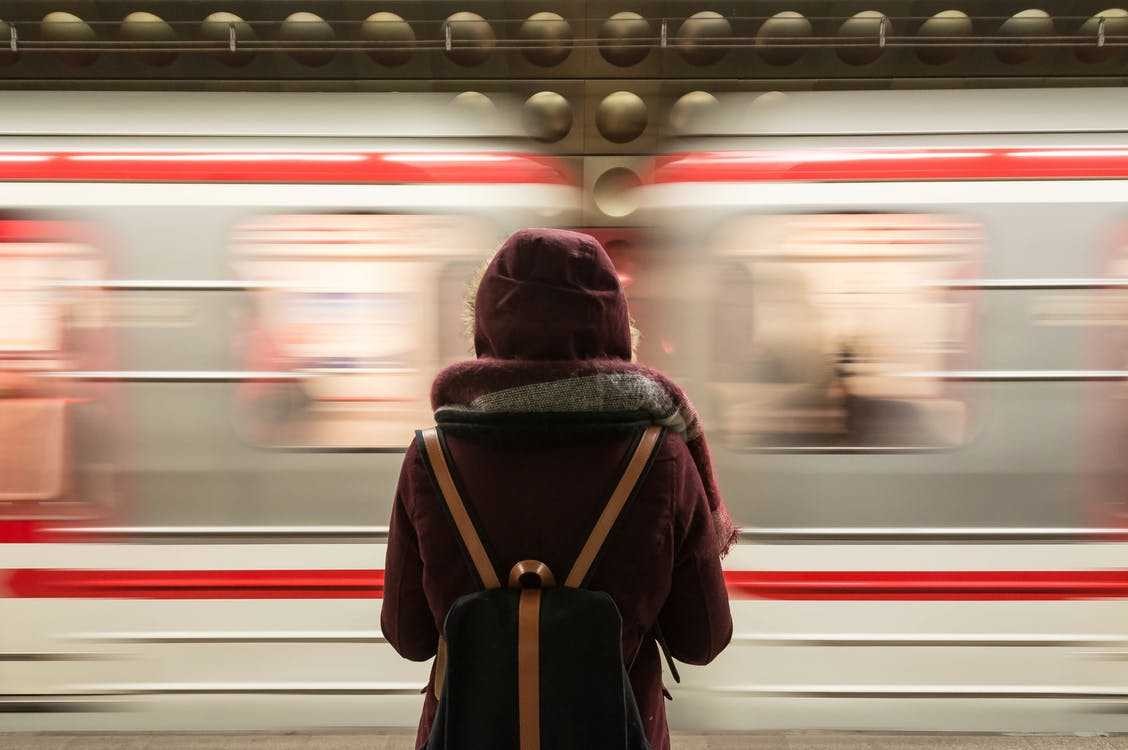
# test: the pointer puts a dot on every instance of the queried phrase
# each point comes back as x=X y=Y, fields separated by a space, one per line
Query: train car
x=221 y=314
x=901 y=315
x=897 y=311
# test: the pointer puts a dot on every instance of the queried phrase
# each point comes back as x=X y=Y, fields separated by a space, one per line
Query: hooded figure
x=538 y=427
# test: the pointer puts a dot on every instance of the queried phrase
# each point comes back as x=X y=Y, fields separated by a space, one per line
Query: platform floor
x=400 y=741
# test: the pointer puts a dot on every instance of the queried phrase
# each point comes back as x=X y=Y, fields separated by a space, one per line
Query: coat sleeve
x=405 y=617
x=695 y=619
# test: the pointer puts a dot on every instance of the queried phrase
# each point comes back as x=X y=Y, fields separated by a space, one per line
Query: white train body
x=965 y=572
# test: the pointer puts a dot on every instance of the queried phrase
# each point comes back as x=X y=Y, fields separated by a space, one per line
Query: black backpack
x=533 y=666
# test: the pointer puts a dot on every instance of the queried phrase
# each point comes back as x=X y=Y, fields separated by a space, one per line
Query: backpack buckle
x=531 y=574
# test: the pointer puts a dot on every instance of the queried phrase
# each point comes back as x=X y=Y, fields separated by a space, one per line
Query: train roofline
x=903 y=112
x=249 y=114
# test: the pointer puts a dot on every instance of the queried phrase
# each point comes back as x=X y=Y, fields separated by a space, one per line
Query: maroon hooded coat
x=536 y=486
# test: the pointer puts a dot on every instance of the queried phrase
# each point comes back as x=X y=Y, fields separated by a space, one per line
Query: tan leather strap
x=614 y=506
x=528 y=669
x=440 y=667
x=458 y=512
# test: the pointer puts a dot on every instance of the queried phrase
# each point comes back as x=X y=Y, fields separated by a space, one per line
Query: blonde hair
x=468 y=312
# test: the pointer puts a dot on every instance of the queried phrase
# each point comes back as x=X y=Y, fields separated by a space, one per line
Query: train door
x=661 y=289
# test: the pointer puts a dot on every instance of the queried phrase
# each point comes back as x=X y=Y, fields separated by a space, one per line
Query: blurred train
x=902 y=315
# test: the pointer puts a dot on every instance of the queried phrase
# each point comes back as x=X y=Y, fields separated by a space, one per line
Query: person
x=538 y=427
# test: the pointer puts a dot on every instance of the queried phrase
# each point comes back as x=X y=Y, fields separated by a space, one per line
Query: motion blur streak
x=783 y=585
x=904 y=324
x=286 y=167
x=891 y=164
x=198 y=584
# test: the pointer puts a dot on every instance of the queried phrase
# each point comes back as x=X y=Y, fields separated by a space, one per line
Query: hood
x=550 y=294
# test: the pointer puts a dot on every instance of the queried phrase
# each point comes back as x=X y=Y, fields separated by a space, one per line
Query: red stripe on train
x=24 y=230
x=20 y=531
x=196 y=584
x=893 y=165
x=931 y=585
x=780 y=585
x=342 y=168
x=34 y=530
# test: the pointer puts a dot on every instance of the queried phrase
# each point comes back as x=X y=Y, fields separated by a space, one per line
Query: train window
x=345 y=310
x=54 y=431
x=827 y=326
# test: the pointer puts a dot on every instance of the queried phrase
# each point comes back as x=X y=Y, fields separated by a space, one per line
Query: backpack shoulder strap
x=440 y=471
x=639 y=462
